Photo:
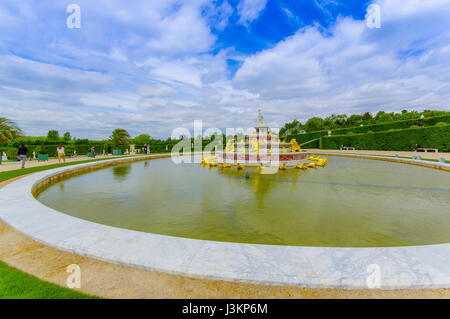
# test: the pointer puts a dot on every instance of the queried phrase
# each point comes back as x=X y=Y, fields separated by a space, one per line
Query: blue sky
x=151 y=66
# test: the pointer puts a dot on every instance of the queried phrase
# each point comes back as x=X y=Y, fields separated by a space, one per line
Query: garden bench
x=428 y=150
x=42 y=157
x=348 y=148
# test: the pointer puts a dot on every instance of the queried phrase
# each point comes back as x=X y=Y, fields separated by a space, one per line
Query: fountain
x=263 y=148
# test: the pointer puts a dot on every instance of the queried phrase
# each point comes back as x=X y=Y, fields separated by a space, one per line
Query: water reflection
x=121 y=172
x=262 y=184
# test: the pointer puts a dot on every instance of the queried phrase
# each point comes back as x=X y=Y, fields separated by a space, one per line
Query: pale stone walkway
x=9 y=166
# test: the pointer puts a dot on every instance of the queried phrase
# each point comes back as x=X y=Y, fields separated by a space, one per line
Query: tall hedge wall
x=394 y=140
x=429 y=121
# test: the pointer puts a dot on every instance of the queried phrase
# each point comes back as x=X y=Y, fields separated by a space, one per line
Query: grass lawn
x=16 y=284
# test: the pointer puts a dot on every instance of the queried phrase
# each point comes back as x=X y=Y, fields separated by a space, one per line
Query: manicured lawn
x=16 y=284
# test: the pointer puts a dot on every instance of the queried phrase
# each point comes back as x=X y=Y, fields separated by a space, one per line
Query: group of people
x=23 y=150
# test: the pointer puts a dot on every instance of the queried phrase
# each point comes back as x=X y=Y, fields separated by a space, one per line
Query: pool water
x=349 y=203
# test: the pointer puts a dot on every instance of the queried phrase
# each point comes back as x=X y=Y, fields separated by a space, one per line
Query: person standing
x=61 y=153
x=22 y=153
x=416 y=147
x=92 y=151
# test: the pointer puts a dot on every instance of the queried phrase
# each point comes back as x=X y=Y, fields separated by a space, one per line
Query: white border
x=315 y=267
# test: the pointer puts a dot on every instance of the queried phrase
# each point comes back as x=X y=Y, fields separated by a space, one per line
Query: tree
x=379 y=114
x=354 y=120
x=341 y=120
x=119 y=136
x=9 y=130
x=314 y=124
x=53 y=135
x=385 y=117
x=142 y=139
x=67 y=137
x=366 y=116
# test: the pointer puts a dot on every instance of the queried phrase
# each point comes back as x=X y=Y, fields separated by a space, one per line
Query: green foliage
x=374 y=128
x=337 y=122
x=314 y=124
x=16 y=284
x=120 y=136
x=53 y=135
x=440 y=124
x=67 y=137
x=80 y=141
x=12 y=153
x=8 y=130
x=398 y=140
x=142 y=139
x=42 y=149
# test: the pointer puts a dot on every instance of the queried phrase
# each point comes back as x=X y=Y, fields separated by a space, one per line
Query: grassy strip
x=16 y=284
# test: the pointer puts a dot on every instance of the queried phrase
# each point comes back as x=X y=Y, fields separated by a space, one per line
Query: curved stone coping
x=315 y=267
x=430 y=164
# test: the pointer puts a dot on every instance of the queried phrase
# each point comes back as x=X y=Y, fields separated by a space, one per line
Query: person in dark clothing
x=23 y=153
x=416 y=147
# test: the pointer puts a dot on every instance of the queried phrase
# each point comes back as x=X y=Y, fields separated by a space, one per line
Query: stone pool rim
x=406 y=267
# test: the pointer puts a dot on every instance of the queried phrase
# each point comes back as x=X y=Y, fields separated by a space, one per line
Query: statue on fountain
x=294 y=146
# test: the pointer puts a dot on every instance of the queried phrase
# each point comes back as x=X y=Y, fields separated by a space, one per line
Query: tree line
x=333 y=121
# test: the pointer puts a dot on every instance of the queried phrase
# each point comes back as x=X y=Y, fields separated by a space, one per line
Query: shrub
x=12 y=153
x=440 y=124
x=397 y=140
x=41 y=149
x=430 y=121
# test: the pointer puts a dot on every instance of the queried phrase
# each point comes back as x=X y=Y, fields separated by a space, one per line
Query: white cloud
x=249 y=10
x=405 y=64
x=148 y=66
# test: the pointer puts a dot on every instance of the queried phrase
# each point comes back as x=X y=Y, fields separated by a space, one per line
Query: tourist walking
x=22 y=153
x=92 y=150
x=61 y=153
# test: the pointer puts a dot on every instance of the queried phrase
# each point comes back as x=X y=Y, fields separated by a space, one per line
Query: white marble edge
x=414 y=267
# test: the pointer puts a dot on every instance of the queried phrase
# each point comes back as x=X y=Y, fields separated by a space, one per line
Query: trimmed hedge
x=394 y=140
x=428 y=121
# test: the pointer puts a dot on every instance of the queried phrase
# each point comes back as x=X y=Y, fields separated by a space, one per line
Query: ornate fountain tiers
x=261 y=148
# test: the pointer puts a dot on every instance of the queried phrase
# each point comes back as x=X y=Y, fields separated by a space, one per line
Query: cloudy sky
x=150 y=66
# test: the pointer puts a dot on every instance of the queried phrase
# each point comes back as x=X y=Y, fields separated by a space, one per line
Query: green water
x=350 y=202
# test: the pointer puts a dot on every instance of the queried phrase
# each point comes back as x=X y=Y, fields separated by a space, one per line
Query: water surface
x=350 y=202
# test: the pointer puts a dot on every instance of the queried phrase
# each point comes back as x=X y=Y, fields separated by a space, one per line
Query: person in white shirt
x=60 y=151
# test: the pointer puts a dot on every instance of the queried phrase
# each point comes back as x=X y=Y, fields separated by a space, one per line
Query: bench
x=42 y=157
x=348 y=148
x=427 y=150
